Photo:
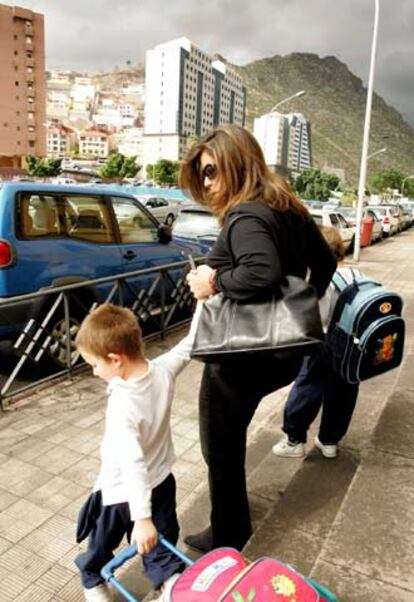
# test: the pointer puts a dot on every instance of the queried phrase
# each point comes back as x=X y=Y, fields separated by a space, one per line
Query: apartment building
x=60 y=140
x=187 y=93
x=22 y=86
x=285 y=141
x=300 y=156
x=94 y=143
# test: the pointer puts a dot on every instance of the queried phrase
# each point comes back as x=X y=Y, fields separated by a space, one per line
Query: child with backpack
x=319 y=384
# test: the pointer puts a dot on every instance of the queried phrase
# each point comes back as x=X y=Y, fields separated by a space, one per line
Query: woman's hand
x=144 y=534
x=201 y=282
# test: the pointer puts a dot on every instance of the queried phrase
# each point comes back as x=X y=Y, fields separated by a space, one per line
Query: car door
x=68 y=237
x=141 y=249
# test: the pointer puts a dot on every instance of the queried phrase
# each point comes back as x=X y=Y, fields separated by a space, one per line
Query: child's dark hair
x=334 y=240
x=111 y=329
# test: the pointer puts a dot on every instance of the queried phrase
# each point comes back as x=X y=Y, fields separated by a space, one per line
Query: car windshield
x=348 y=211
x=379 y=210
x=198 y=224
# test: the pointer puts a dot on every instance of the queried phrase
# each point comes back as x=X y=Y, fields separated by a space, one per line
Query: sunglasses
x=209 y=171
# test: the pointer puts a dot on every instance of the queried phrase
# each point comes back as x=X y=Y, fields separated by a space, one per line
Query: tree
x=315 y=184
x=118 y=166
x=387 y=179
x=165 y=171
x=43 y=168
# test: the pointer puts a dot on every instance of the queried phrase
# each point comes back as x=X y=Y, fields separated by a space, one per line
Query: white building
x=285 y=140
x=129 y=143
x=82 y=95
x=270 y=132
x=60 y=140
x=94 y=143
x=187 y=93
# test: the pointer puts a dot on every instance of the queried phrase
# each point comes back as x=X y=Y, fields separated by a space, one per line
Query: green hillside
x=335 y=105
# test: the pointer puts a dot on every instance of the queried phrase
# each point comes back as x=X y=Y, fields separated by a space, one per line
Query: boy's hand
x=144 y=534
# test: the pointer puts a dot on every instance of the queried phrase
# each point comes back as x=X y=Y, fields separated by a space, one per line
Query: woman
x=272 y=237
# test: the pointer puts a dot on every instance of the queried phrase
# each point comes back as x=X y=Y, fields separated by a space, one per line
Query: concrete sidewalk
x=348 y=522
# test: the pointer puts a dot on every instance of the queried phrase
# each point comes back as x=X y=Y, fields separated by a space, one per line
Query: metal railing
x=159 y=297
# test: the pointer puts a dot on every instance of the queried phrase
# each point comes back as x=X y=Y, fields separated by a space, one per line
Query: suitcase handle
x=129 y=552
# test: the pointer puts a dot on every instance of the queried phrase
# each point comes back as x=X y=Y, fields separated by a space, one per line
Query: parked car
x=390 y=217
x=197 y=223
x=367 y=213
x=54 y=235
x=165 y=210
x=326 y=217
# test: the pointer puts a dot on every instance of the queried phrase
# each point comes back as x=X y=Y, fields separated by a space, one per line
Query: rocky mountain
x=335 y=105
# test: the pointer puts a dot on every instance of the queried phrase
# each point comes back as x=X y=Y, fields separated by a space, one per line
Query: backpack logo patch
x=385 y=308
x=385 y=352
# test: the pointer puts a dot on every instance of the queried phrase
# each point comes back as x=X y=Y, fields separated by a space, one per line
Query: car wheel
x=169 y=219
x=56 y=348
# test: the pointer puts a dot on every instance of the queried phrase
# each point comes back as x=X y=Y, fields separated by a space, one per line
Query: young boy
x=134 y=494
x=318 y=384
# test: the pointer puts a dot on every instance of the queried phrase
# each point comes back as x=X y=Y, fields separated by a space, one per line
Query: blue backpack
x=366 y=332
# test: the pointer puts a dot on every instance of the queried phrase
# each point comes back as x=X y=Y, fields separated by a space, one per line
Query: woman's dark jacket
x=266 y=245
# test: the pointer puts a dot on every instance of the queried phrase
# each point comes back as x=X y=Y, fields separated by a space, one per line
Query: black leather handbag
x=286 y=325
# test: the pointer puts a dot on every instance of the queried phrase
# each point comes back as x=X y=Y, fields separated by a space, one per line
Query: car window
x=38 y=216
x=334 y=220
x=342 y=221
x=162 y=202
x=318 y=219
x=151 y=203
x=193 y=223
x=87 y=218
x=134 y=225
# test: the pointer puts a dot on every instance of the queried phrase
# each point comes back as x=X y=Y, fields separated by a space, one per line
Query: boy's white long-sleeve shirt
x=137 y=452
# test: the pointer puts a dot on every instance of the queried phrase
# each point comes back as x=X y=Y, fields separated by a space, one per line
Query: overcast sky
x=93 y=35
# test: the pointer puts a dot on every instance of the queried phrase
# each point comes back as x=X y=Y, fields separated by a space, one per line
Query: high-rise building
x=285 y=141
x=300 y=156
x=22 y=86
x=187 y=93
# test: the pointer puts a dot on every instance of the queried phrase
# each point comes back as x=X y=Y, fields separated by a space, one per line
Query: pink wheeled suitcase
x=223 y=575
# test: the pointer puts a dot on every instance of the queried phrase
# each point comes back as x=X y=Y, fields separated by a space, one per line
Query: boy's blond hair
x=111 y=329
x=334 y=240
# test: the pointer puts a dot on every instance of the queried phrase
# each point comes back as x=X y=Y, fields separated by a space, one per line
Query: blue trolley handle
x=129 y=552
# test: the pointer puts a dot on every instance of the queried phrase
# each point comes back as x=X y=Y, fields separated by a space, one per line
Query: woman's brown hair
x=242 y=172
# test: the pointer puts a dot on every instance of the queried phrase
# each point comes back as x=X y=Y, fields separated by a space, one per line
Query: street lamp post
x=364 y=155
x=281 y=102
x=403 y=182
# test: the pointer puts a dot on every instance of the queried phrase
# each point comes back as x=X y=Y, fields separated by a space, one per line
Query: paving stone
x=57 y=459
x=34 y=593
x=60 y=527
x=30 y=448
x=7 y=499
x=45 y=546
x=71 y=592
x=11 y=586
x=12 y=528
x=20 y=561
x=55 y=578
x=394 y=431
x=32 y=513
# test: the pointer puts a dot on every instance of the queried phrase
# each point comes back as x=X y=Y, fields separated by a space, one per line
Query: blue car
x=53 y=235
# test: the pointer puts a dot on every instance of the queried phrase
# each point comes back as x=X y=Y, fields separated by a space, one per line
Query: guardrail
x=48 y=320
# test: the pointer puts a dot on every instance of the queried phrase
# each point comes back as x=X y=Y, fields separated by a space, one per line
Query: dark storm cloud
x=98 y=34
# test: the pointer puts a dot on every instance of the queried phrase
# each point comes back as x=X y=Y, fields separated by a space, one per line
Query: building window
x=15 y=37
x=16 y=83
x=31 y=143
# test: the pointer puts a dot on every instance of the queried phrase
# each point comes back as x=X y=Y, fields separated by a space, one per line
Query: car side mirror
x=164 y=233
